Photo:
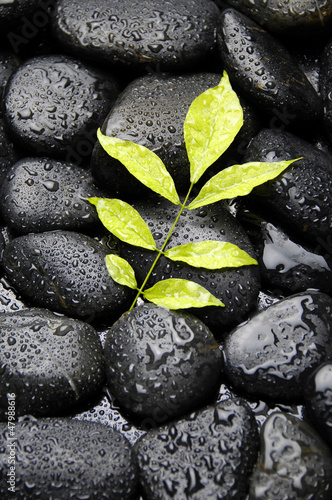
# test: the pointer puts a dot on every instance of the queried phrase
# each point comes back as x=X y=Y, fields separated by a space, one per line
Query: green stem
x=161 y=251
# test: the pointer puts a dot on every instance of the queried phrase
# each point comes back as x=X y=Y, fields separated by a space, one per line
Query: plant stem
x=161 y=251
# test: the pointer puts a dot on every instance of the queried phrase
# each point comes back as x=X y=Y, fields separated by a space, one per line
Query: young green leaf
x=145 y=165
x=122 y=220
x=180 y=294
x=210 y=255
x=238 y=180
x=212 y=122
x=121 y=271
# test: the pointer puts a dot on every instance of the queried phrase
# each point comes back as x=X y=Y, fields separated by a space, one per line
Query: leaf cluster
x=212 y=122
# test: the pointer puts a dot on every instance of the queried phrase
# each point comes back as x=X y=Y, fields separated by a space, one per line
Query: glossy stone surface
x=208 y=454
x=161 y=364
x=173 y=34
x=52 y=363
x=54 y=102
x=65 y=271
x=64 y=458
x=265 y=71
x=42 y=194
x=272 y=354
x=294 y=462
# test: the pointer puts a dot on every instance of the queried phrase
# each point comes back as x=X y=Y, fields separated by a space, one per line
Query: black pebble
x=318 y=400
x=42 y=194
x=64 y=458
x=52 y=363
x=272 y=354
x=13 y=12
x=65 y=272
x=54 y=104
x=161 y=364
x=130 y=33
x=265 y=71
x=294 y=462
x=208 y=454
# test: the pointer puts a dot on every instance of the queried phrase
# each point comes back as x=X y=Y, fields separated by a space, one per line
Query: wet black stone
x=265 y=71
x=8 y=64
x=294 y=462
x=13 y=11
x=208 y=454
x=237 y=288
x=65 y=272
x=272 y=354
x=64 y=458
x=285 y=262
x=10 y=301
x=42 y=194
x=151 y=111
x=301 y=197
x=8 y=153
x=325 y=85
x=52 y=363
x=318 y=400
x=161 y=364
x=171 y=35
x=54 y=104
x=288 y=17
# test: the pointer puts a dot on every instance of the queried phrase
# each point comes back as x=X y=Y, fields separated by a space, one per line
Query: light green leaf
x=142 y=163
x=121 y=271
x=211 y=255
x=212 y=122
x=238 y=180
x=122 y=220
x=180 y=294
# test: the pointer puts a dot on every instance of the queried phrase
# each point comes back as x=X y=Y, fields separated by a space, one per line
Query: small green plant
x=212 y=122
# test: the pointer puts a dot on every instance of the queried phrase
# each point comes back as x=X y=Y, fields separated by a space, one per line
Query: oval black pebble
x=54 y=104
x=8 y=154
x=161 y=364
x=14 y=12
x=151 y=112
x=273 y=353
x=318 y=400
x=208 y=454
x=301 y=197
x=64 y=458
x=325 y=85
x=173 y=34
x=41 y=194
x=237 y=288
x=65 y=271
x=291 y=17
x=52 y=363
x=265 y=71
x=294 y=462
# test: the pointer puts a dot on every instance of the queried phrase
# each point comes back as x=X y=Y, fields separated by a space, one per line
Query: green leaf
x=238 y=180
x=180 y=294
x=210 y=255
x=143 y=164
x=122 y=220
x=121 y=271
x=212 y=122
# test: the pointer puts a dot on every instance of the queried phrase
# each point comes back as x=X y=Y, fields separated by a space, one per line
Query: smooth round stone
x=176 y=34
x=42 y=194
x=318 y=400
x=325 y=85
x=161 y=364
x=294 y=463
x=65 y=271
x=8 y=154
x=301 y=197
x=64 y=458
x=288 y=17
x=54 y=103
x=237 y=288
x=208 y=454
x=151 y=112
x=10 y=301
x=8 y=64
x=51 y=363
x=14 y=11
x=260 y=67
x=272 y=354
